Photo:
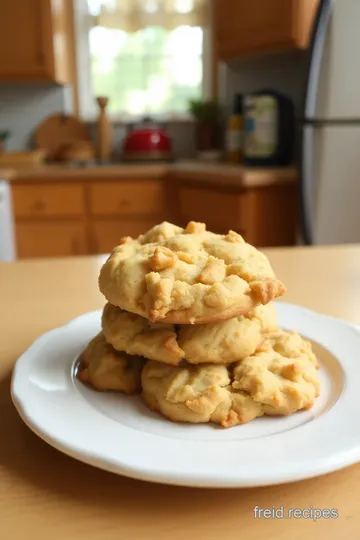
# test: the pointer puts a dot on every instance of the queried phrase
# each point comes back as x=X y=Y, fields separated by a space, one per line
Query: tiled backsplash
x=284 y=72
x=181 y=133
x=23 y=107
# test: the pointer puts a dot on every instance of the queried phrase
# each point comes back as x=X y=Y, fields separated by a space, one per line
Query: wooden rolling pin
x=103 y=131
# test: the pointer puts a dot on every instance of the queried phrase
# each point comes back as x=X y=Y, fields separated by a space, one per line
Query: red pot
x=147 y=143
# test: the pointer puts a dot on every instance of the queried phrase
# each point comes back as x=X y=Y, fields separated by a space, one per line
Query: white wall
x=284 y=72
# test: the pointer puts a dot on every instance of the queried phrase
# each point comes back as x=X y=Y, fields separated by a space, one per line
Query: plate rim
x=319 y=468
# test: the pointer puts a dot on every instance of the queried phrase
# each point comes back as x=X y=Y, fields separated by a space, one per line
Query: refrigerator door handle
x=316 y=51
x=307 y=185
x=307 y=177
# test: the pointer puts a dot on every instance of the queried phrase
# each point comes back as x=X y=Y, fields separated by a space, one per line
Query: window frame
x=87 y=104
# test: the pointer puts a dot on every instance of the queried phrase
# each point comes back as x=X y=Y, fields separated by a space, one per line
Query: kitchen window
x=150 y=57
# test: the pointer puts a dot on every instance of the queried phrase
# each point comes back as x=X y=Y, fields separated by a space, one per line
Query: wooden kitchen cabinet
x=36 y=40
x=127 y=198
x=77 y=216
x=50 y=239
x=245 y=28
x=213 y=206
x=265 y=216
x=44 y=200
x=64 y=218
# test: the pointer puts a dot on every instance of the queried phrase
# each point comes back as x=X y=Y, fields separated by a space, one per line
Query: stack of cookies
x=190 y=324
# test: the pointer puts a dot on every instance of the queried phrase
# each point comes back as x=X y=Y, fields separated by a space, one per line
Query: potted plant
x=207 y=116
x=4 y=135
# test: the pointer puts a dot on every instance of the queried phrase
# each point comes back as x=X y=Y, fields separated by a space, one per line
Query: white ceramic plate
x=119 y=434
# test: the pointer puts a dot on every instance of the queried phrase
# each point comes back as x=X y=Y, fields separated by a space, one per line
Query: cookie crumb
x=265 y=291
x=162 y=258
x=214 y=271
x=234 y=237
x=125 y=240
x=195 y=227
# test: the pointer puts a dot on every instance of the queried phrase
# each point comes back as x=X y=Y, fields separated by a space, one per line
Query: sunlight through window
x=154 y=69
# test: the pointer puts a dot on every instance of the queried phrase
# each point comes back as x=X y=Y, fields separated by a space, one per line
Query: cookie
x=195 y=394
x=228 y=341
x=282 y=376
x=219 y=343
x=103 y=368
x=188 y=276
x=136 y=335
x=280 y=379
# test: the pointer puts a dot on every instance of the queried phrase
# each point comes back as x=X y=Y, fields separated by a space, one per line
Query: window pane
x=157 y=83
x=106 y=43
x=134 y=44
x=155 y=40
x=186 y=86
x=124 y=85
x=170 y=86
x=186 y=71
x=185 y=40
x=151 y=71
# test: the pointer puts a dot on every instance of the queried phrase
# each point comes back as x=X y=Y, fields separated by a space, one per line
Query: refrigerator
x=7 y=234
x=330 y=128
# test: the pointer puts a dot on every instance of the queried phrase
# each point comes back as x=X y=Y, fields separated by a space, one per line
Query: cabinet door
x=217 y=208
x=220 y=210
x=140 y=197
x=106 y=234
x=48 y=200
x=50 y=239
x=245 y=28
x=25 y=39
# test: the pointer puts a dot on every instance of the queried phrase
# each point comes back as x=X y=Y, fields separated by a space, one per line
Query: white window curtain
x=134 y=15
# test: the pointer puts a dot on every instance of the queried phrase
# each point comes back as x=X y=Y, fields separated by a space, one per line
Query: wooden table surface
x=47 y=495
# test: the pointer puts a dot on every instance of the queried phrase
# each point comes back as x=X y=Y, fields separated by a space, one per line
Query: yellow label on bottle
x=261 y=126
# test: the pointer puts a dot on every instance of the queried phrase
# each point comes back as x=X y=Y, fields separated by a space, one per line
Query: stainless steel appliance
x=330 y=170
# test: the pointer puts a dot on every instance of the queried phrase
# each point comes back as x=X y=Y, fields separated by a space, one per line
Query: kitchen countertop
x=45 y=494
x=229 y=175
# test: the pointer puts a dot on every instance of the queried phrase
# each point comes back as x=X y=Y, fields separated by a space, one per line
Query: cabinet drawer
x=106 y=233
x=50 y=239
x=42 y=200
x=126 y=198
x=214 y=207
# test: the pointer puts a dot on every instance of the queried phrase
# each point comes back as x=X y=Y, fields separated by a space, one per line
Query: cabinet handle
x=39 y=205
x=123 y=203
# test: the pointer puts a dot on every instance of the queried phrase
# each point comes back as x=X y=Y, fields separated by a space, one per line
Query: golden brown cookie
x=228 y=341
x=282 y=376
x=188 y=275
x=278 y=380
x=103 y=368
x=195 y=394
x=136 y=335
x=219 y=343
